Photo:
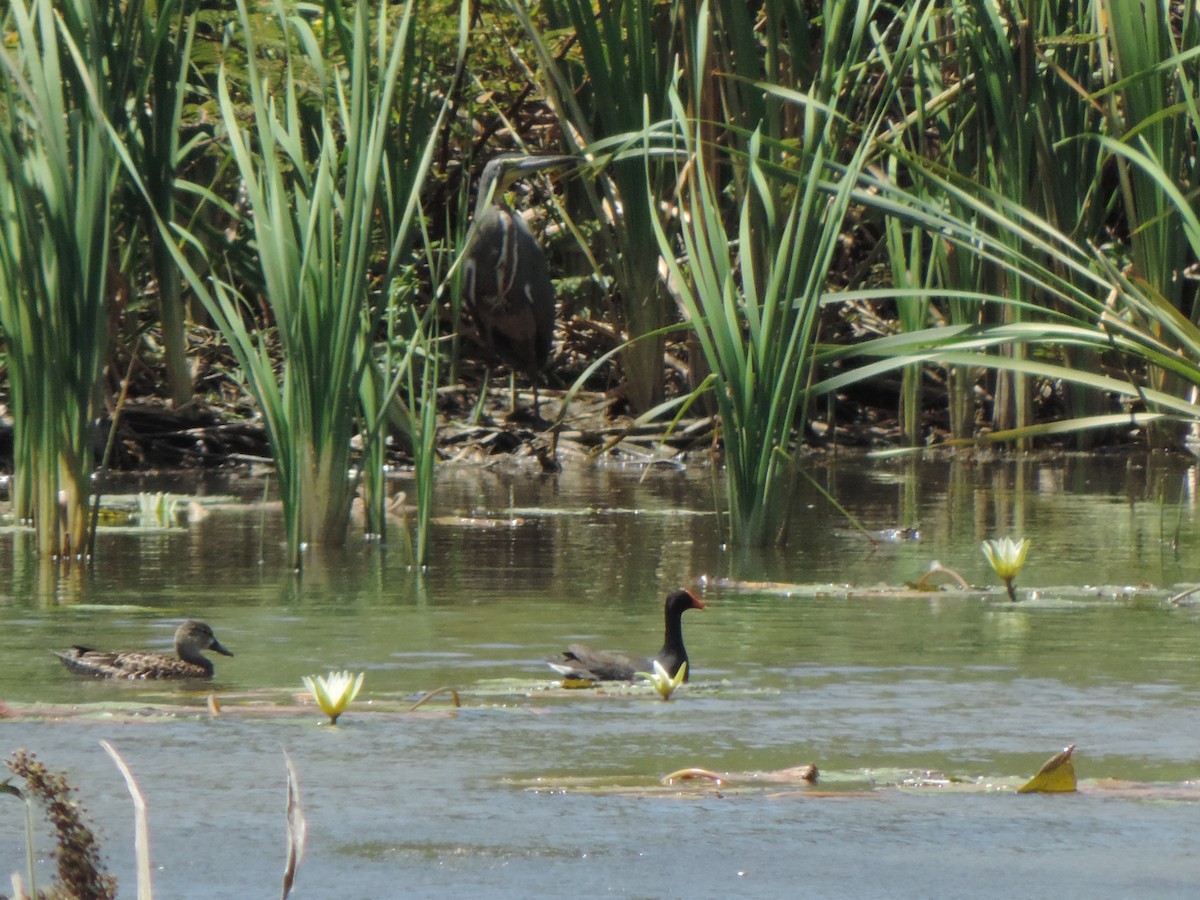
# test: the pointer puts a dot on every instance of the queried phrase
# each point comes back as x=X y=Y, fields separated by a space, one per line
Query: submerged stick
x=141 y=825
x=434 y=693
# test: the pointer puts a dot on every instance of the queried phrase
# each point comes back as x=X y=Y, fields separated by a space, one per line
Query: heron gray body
x=509 y=291
x=506 y=282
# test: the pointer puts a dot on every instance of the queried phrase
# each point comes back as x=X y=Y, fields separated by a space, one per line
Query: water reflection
x=611 y=532
x=835 y=672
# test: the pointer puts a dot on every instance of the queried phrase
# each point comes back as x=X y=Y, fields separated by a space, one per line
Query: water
x=809 y=654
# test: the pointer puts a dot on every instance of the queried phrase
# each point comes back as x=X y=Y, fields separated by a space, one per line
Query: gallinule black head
x=586 y=664
x=190 y=638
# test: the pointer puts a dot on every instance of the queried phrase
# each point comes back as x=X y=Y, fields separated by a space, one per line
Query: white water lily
x=662 y=680
x=1007 y=557
x=333 y=692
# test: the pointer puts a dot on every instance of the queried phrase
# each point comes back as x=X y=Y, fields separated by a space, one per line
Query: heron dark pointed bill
x=506 y=282
x=505 y=169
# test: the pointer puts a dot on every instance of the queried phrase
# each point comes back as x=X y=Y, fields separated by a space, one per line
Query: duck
x=582 y=663
x=190 y=638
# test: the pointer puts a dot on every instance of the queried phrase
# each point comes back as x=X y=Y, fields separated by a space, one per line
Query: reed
x=405 y=377
x=56 y=170
x=753 y=291
x=915 y=261
x=1151 y=115
x=150 y=61
x=909 y=251
x=991 y=98
x=141 y=824
x=422 y=376
x=297 y=827
x=1086 y=303
x=312 y=175
x=620 y=66
x=399 y=392
x=999 y=59
x=1025 y=248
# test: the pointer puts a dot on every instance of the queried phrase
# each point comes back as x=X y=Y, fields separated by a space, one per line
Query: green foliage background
x=995 y=202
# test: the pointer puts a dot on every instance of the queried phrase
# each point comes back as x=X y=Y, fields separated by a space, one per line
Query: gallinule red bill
x=190 y=639
x=604 y=665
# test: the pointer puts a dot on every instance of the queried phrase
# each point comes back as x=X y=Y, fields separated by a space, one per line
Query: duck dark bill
x=191 y=639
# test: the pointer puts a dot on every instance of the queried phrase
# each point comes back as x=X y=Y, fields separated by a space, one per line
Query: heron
x=506 y=282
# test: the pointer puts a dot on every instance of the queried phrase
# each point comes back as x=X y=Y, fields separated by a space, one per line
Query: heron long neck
x=489 y=184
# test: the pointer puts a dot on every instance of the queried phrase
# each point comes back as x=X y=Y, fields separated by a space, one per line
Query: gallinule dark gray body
x=586 y=664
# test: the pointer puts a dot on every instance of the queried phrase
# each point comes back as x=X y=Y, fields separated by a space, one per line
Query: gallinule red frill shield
x=190 y=639
x=584 y=663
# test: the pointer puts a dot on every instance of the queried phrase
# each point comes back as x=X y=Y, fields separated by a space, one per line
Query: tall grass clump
x=1087 y=304
x=1154 y=65
x=150 y=62
x=398 y=393
x=1150 y=56
x=619 y=67
x=1032 y=252
x=752 y=279
x=401 y=393
x=312 y=158
x=998 y=58
x=56 y=171
x=421 y=385
x=997 y=98
x=417 y=375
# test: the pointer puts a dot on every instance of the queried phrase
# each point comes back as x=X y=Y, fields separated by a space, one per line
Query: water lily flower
x=1007 y=557
x=334 y=692
x=662 y=680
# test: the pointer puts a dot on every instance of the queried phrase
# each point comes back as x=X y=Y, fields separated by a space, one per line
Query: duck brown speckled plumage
x=585 y=664
x=190 y=639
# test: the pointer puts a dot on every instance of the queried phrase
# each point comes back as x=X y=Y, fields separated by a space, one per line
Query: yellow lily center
x=662 y=681
x=1006 y=556
x=334 y=692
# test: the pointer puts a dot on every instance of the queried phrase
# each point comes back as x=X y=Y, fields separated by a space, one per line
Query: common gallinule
x=190 y=638
x=586 y=664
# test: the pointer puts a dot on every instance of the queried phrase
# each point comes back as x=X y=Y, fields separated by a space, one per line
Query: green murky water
x=810 y=654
